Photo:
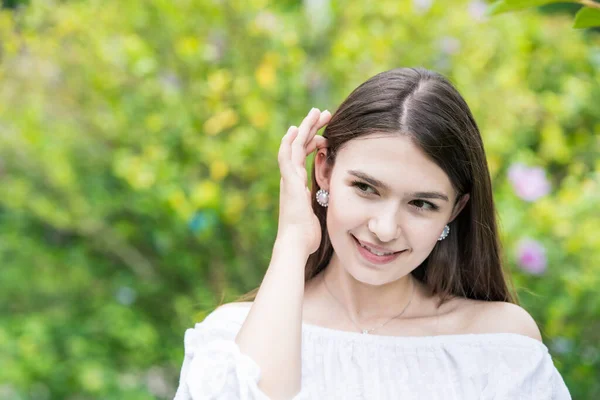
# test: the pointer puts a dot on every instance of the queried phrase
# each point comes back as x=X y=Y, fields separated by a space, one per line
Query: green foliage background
x=139 y=180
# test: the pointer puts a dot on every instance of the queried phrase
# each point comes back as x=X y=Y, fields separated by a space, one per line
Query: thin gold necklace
x=367 y=331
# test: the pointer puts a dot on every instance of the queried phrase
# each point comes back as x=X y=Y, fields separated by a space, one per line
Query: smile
x=375 y=256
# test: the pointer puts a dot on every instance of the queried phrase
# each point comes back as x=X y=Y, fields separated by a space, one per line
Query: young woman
x=386 y=279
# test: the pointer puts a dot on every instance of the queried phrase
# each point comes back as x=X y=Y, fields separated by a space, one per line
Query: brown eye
x=363 y=187
x=423 y=205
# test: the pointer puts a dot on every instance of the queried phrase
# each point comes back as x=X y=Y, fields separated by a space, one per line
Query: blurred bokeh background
x=139 y=179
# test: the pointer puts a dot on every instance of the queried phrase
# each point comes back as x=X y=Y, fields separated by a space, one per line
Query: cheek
x=424 y=233
x=343 y=212
x=423 y=227
x=348 y=208
x=347 y=213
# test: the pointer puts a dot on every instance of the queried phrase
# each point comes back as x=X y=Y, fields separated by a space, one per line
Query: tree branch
x=590 y=3
x=111 y=241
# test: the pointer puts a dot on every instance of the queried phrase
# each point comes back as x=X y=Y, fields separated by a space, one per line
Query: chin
x=364 y=274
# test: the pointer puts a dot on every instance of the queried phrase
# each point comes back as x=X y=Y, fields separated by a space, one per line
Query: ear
x=323 y=168
x=459 y=206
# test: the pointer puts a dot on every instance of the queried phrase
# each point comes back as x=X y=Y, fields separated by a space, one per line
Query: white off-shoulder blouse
x=347 y=365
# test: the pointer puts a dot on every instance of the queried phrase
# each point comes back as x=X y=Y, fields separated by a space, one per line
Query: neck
x=368 y=303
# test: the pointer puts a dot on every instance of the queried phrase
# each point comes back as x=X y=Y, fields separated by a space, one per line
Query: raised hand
x=296 y=217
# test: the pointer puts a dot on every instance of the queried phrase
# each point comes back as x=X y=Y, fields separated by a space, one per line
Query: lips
x=374 y=259
x=379 y=250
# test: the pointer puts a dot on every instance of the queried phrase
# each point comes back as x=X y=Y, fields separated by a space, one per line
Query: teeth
x=374 y=251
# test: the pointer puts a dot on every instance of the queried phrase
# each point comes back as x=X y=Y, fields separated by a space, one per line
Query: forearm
x=272 y=332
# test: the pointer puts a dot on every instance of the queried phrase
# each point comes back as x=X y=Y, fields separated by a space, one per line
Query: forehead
x=395 y=160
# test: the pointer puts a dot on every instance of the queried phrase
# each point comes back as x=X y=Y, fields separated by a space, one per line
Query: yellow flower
x=220 y=121
x=218 y=170
x=266 y=72
x=205 y=194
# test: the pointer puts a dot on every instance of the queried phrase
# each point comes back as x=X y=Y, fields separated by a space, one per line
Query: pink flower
x=531 y=256
x=529 y=183
x=449 y=45
x=477 y=9
x=422 y=6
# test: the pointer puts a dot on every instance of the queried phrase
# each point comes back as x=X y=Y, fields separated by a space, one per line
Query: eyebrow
x=378 y=183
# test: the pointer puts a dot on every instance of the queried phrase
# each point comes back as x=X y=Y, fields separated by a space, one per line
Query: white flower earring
x=323 y=197
x=445 y=233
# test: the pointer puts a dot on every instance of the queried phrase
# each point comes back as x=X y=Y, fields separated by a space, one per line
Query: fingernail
x=326 y=111
x=290 y=129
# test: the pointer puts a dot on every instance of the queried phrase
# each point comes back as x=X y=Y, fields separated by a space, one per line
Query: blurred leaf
x=587 y=18
x=503 y=6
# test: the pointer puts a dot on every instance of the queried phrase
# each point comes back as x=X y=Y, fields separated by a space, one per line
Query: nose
x=385 y=225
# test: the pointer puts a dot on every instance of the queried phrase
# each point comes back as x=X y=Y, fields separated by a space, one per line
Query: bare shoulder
x=225 y=312
x=503 y=317
x=235 y=304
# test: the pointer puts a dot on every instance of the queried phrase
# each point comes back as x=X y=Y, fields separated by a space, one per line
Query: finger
x=298 y=153
x=318 y=142
x=302 y=174
x=284 y=156
x=324 y=118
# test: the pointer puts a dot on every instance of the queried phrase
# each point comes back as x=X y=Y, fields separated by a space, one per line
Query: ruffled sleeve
x=543 y=375
x=213 y=365
x=517 y=367
x=559 y=388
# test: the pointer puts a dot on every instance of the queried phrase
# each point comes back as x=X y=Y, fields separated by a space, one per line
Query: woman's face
x=378 y=194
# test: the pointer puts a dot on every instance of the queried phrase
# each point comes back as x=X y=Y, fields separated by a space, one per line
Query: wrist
x=291 y=244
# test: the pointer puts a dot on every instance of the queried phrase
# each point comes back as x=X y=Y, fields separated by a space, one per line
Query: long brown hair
x=426 y=107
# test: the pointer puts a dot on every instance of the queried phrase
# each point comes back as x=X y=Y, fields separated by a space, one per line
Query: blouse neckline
x=465 y=338
x=506 y=338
